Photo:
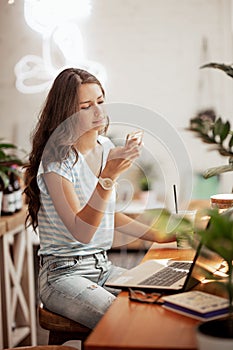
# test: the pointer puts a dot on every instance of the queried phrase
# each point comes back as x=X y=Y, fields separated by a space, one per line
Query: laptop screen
x=206 y=264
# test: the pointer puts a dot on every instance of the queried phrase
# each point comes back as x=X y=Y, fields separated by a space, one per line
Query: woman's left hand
x=121 y=158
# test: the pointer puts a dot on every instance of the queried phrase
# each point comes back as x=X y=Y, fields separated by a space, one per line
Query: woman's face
x=91 y=112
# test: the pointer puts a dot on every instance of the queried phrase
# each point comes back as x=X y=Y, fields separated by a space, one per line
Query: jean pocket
x=62 y=265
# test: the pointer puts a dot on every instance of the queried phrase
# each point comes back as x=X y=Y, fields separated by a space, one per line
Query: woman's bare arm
x=83 y=222
x=129 y=226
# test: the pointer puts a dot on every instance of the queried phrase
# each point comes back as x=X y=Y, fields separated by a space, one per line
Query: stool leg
x=58 y=338
x=53 y=339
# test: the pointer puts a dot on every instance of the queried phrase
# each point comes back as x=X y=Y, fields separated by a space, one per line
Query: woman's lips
x=99 y=121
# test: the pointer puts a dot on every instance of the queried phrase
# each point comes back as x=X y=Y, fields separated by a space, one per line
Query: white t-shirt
x=55 y=238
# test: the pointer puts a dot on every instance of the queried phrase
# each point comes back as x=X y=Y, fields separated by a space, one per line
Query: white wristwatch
x=106 y=183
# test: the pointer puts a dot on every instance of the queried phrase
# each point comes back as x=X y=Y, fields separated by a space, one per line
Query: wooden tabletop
x=129 y=325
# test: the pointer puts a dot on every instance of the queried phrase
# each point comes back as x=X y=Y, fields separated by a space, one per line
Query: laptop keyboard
x=169 y=275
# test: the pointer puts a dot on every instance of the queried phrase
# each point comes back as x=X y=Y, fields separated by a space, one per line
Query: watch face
x=106 y=183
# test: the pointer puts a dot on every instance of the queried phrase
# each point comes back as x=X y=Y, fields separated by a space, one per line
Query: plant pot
x=143 y=196
x=148 y=198
x=215 y=334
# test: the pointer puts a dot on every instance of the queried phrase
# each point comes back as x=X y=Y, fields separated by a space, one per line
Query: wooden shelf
x=17 y=281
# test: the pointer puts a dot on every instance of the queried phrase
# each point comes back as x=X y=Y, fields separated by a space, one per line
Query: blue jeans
x=74 y=286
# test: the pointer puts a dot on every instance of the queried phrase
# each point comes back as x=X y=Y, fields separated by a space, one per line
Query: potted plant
x=145 y=184
x=218 y=334
x=8 y=159
x=218 y=133
x=214 y=130
x=146 y=177
x=146 y=195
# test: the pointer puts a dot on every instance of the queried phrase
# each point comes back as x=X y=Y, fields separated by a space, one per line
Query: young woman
x=70 y=186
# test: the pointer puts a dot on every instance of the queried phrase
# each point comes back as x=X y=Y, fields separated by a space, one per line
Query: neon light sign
x=62 y=43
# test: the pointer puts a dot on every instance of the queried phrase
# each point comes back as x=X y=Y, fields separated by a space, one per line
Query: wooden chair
x=61 y=329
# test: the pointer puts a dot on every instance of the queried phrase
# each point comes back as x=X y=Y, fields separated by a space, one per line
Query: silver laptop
x=164 y=275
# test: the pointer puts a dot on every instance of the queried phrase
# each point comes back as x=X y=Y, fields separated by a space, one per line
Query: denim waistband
x=45 y=258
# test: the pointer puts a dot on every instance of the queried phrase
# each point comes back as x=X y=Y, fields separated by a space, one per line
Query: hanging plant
x=216 y=132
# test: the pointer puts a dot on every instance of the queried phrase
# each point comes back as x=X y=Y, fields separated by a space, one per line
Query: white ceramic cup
x=222 y=201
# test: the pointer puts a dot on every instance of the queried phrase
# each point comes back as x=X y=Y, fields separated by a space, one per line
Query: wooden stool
x=61 y=329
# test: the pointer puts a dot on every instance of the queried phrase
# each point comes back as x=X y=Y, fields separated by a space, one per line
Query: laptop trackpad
x=140 y=272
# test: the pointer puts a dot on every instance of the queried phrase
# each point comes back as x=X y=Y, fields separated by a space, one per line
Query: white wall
x=151 y=50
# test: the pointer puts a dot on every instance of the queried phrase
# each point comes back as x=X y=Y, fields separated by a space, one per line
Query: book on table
x=196 y=304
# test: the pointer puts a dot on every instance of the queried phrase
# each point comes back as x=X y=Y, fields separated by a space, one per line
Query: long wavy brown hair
x=62 y=102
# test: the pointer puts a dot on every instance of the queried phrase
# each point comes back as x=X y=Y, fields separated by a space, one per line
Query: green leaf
x=225 y=128
x=217 y=127
x=2 y=154
x=12 y=160
x=4 y=178
x=231 y=142
x=207 y=139
x=228 y=69
x=7 y=145
x=196 y=124
x=219 y=236
x=9 y=156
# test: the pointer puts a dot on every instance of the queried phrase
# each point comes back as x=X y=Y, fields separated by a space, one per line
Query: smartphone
x=137 y=135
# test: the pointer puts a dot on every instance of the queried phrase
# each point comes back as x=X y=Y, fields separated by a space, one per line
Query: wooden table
x=17 y=281
x=130 y=325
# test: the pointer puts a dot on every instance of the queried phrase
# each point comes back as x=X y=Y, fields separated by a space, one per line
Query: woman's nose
x=97 y=110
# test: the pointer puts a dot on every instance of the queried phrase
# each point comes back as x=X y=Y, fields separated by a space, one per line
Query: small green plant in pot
x=219 y=239
x=145 y=184
x=146 y=175
x=8 y=157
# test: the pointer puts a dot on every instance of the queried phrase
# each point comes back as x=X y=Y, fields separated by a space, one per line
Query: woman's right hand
x=121 y=158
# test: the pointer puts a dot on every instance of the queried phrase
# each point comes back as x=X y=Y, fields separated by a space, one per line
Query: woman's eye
x=85 y=108
x=89 y=106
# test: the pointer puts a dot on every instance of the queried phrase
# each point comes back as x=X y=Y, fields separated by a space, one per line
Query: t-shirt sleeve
x=63 y=169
